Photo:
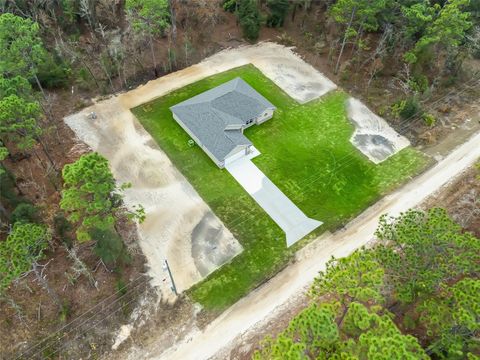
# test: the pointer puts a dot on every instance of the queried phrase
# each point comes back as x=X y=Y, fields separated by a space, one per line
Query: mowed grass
x=305 y=151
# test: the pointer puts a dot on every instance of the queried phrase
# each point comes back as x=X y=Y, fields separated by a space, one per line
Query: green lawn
x=305 y=151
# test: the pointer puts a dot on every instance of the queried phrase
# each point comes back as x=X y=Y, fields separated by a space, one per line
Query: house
x=216 y=118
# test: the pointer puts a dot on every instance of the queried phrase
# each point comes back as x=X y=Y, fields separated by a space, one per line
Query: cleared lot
x=305 y=151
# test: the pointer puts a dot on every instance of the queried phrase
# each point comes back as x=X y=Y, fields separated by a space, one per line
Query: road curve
x=309 y=261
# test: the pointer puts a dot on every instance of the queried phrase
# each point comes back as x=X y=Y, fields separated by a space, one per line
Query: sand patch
x=281 y=64
x=373 y=136
x=297 y=78
x=210 y=247
x=172 y=206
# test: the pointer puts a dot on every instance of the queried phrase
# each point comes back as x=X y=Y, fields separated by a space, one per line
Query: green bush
x=249 y=17
x=229 y=5
x=418 y=83
x=109 y=247
x=411 y=108
x=121 y=286
x=278 y=12
x=7 y=189
x=406 y=109
x=62 y=228
x=65 y=311
x=429 y=119
x=26 y=213
x=84 y=79
x=54 y=73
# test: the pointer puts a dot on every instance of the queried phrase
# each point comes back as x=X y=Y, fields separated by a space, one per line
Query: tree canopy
x=91 y=196
x=21 y=48
x=446 y=26
x=278 y=11
x=149 y=16
x=19 y=122
x=249 y=18
x=24 y=245
x=425 y=263
x=420 y=250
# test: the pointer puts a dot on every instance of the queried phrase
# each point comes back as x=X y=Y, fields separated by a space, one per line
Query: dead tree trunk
x=173 y=20
x=44 y=284
x=154 y=59
x=344 y=42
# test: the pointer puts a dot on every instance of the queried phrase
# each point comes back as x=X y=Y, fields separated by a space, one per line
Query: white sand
x=172 y=206
x=373 y=136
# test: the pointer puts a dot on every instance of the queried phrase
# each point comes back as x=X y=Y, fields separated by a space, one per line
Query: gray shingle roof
x=211 y=115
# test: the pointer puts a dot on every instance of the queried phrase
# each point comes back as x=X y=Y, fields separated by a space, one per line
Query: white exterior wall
x=235 y=154
x=267 y=114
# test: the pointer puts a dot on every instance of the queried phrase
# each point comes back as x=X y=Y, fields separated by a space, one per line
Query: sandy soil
x=214 y=340
x=373 y=136
x=179 y=225
x=172 y=206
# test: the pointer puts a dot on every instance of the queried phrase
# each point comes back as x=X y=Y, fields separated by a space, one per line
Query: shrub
x=406 y=109
x=229 y=5
x=65 y=311
x=54 y=73
x=121 y=286
x=26 y=213
x=249 y=17
x=411 y=108
x=429 y=119
x=7 y=189
x=109 y=247
x=285 y=39
x=278 y=11
x=418 y=83
x=62 y=227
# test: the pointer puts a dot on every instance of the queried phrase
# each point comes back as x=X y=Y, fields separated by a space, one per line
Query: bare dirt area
x=173 y=208
x=177 y=218
x=462 y=200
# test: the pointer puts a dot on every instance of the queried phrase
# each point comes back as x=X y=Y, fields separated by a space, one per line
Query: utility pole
x=173 y=287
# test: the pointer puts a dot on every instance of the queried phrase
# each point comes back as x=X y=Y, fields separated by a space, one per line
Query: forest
x=68 y=241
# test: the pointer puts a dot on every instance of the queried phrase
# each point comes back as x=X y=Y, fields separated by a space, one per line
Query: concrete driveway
x=276 y=204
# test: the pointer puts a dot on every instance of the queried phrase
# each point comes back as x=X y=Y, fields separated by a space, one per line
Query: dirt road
x=214 y=340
